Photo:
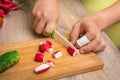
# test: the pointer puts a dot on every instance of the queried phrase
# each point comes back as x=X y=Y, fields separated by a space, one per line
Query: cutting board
x=64 y=66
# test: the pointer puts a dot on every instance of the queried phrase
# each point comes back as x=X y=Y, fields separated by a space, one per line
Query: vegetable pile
x=40 y=57
x=6 y=6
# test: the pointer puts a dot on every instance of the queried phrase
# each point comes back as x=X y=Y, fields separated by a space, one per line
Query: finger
x=40 y=26
x=32 y=17
x=89 y=36
x=101 y=47
x=91 y=46
x=51 y=25
x=75 y=33
x=35 y=22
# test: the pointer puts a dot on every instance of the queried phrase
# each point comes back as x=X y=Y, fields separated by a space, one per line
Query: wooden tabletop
x=17 y=28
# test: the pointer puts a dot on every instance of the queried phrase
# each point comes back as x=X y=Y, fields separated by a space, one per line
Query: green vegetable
x=8 y=59
x=53 y=34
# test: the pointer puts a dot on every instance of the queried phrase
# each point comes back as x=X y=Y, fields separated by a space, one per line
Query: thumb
x=51 y=25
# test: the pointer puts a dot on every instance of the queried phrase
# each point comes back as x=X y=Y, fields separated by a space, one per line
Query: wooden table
x=17 y=28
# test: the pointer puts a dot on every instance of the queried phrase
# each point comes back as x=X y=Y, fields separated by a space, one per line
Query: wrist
x=99 y=19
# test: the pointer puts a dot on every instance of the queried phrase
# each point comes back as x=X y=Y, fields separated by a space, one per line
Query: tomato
x=1 y=22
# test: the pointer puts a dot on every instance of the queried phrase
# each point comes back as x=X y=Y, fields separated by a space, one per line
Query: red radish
x=42 y=68
x=48 y=43
x=50 y=49
x=41 y=43
x=2 y=13
x=13 y=6
x=71 y=51
x=45 y=47
x=51 y=63
x=57 y=54
x=39 y=57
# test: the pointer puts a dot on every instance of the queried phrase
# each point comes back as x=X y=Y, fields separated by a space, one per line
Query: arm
x=108 y=16
x=92 y=25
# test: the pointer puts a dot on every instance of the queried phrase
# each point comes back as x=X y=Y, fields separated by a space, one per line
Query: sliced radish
x=45 y=47
x=50 y=49
x=71 y=51
x=41 y=43
x=51 y=63
x=57 y=54
x=39 y=57
x=48 y=43
x=42 y=68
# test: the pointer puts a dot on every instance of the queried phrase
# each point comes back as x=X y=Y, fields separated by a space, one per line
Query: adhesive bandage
x=83 y=41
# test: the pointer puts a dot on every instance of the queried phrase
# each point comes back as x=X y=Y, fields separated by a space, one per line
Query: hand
x=45 y=16
x=91 y=28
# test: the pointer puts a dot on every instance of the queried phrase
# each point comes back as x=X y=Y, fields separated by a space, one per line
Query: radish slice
x=51 y=63
x=71 y=51
x=50 y=49
x=42 y=68
x=43 y=47
x=48 y=43
x=41 y=43
x=39 y=57
x=57 y=54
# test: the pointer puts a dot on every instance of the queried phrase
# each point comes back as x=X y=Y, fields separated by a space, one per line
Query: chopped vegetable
x=57 y=54
x=39 y=57
x=50 y=49
x=42 y=68
x=45 y=47
x=51 y=63
x=71 y=51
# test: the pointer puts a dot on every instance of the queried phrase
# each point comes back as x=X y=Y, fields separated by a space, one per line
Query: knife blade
x=61 y=39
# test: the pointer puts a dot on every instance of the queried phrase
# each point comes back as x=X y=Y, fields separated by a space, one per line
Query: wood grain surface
x=65 y=66
x=17 y=28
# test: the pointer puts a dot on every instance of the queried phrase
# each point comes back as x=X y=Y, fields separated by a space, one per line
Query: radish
x=48 y=43
x=42 y=68
x=7 y=6
x=39 y=57
x=57 y=54
x=2 y=13
x=71 y=51
x=51 y=63
x=45 y=47
x=50 y=49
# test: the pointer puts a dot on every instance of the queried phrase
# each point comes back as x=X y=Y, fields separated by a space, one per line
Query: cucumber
x=8 y=59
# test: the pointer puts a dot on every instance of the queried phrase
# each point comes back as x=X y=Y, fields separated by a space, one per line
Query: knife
x=61 y=39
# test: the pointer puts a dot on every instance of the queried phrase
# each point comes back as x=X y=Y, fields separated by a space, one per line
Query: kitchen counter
x=17 y=28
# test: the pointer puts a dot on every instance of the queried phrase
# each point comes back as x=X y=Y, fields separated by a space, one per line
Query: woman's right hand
x=45 y=16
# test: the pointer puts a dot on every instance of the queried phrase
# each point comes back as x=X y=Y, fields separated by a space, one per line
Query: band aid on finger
x=83 y=41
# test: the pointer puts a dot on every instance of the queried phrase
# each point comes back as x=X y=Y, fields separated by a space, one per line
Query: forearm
x=108 y=16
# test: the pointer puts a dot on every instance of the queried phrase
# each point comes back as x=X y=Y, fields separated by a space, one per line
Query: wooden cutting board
x=64 y=66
